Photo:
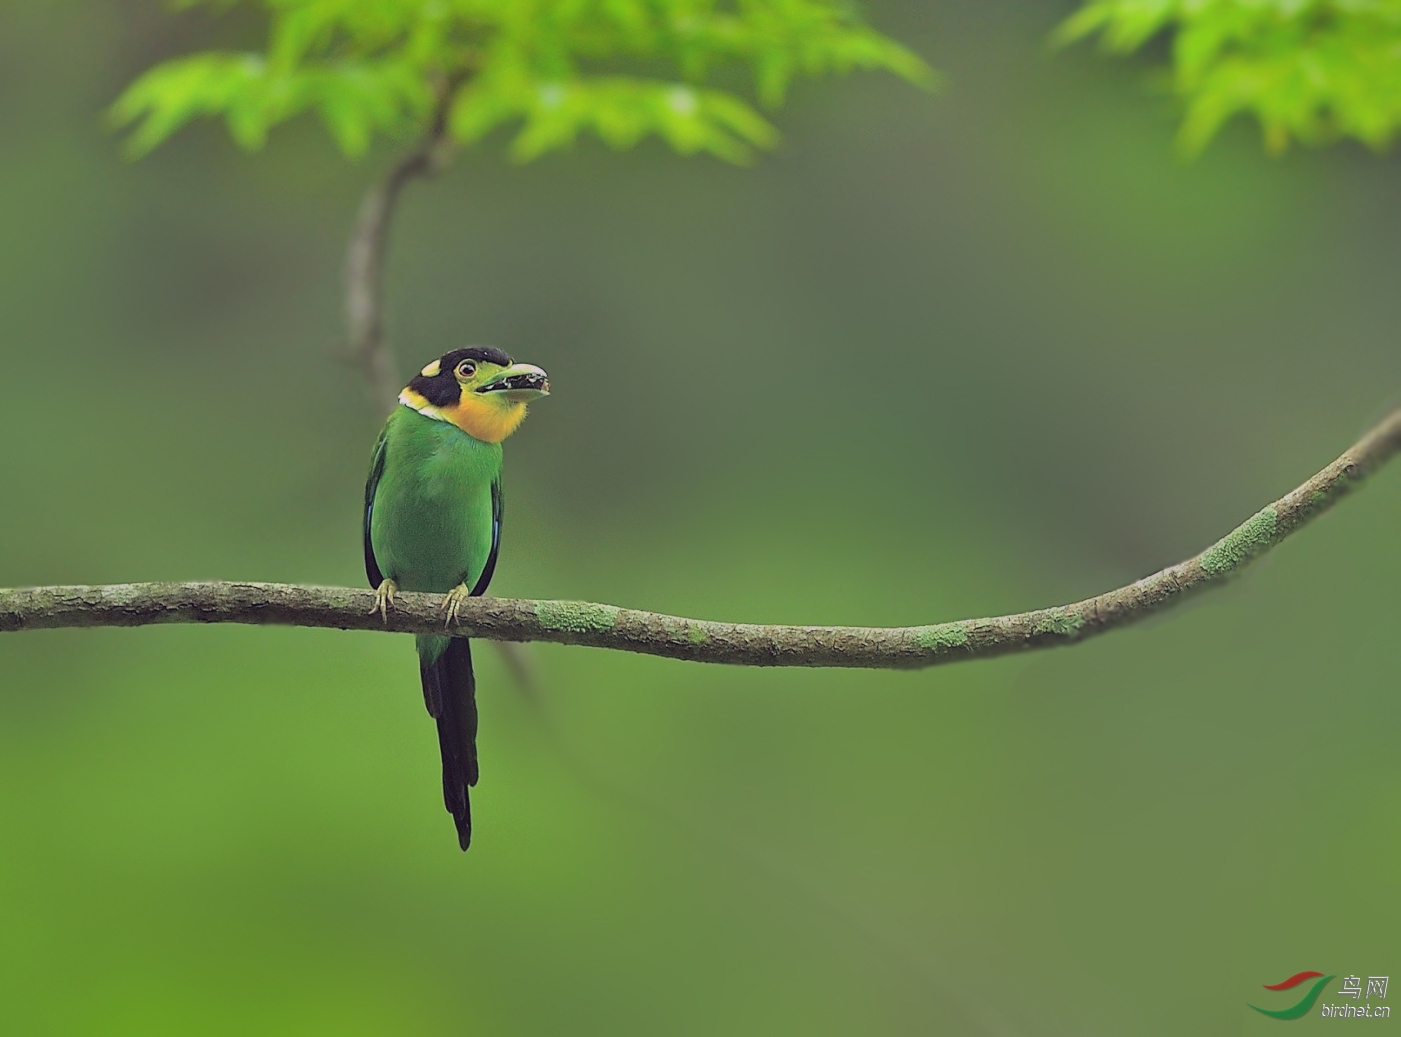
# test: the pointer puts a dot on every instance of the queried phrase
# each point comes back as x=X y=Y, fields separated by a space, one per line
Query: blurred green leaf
x=1311 y=71
x=620 y=70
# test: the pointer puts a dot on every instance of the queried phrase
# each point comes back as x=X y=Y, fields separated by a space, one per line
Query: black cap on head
x=441 y=389
x=490 y=354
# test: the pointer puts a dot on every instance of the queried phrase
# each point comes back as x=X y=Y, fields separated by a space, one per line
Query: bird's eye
x=466 y=369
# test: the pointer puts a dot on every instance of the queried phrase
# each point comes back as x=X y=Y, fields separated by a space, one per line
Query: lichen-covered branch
x=607 y=626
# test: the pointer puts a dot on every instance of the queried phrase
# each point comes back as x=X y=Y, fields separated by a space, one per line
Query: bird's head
x=481 y=390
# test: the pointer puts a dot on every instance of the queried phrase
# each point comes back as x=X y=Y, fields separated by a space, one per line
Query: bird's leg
x=452 y=603
x=384 y=597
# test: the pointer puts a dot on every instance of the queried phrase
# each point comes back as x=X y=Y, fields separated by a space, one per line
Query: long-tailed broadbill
x=433 y=508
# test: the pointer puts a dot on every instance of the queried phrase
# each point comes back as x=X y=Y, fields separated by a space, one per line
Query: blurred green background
x=1078 y=360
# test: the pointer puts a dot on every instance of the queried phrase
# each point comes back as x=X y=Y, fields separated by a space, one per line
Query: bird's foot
x=384 y=598
x=452 y=603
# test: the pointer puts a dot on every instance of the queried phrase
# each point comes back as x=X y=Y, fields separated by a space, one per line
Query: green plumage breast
x=430 y=521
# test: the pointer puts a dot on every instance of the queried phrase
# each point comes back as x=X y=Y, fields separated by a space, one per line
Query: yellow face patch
x=432 y=370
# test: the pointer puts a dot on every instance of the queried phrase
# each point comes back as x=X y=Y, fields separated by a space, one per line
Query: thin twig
x=606 y=626
x=365 y=258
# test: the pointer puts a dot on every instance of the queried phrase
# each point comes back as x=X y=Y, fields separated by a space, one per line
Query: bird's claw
x=384 y=598
x=452 y=603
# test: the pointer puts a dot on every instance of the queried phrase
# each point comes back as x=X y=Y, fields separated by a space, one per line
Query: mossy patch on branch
x=942 y=637
x=1241 y=544
x=688 y=630
x=1063 y=621
x=576 y=617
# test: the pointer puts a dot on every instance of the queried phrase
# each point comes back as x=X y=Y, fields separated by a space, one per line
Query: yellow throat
x=489 y=420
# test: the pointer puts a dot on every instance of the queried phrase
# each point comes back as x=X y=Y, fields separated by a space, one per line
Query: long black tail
x=450 y=692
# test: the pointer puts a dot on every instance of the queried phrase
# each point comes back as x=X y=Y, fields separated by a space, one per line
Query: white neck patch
x=425 y=408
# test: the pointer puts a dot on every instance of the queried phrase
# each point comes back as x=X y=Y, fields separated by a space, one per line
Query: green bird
x=433 y=508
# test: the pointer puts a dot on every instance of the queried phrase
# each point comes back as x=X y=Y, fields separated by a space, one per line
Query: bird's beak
x=518 y=383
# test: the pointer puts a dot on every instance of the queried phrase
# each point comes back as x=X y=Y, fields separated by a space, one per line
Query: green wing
x=371 y=485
